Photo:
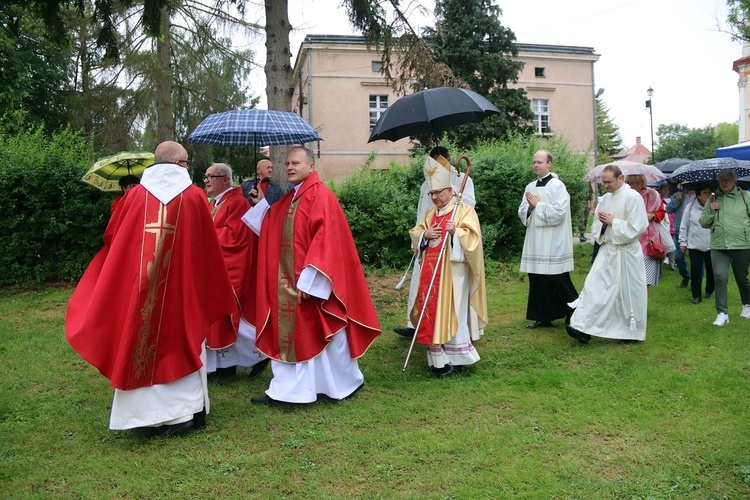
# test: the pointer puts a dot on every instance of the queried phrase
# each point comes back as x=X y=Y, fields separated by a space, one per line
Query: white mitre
x=437 y=173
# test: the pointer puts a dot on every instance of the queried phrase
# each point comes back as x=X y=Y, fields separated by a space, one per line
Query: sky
x=676 y=47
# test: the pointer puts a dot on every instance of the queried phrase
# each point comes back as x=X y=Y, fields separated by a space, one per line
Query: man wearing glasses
x=613 y=301
x=450 y=310
x=439 y=154
x=141 y=311
x=238 y=246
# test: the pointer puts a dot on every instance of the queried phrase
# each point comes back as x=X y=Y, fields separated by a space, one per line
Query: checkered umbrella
x=705 y=171
x=253 y=127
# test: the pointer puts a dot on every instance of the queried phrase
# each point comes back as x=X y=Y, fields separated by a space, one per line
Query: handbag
x=655 y=249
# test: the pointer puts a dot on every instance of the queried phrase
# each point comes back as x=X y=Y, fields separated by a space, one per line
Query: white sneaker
x=722 y=319
x=745 y=311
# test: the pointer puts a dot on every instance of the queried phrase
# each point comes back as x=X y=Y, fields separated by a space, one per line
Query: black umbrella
x=705 y=171
x=670 y=165
x=431 y=111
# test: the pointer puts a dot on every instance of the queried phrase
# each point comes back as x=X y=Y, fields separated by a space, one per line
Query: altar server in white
x=548 y=247
x=613 y=301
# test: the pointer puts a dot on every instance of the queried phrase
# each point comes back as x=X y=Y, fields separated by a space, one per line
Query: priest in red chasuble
x=142 y=309
x=456 y=311
x=314 y=310
x=238 y=247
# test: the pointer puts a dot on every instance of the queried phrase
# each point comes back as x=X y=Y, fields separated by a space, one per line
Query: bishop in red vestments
x=141 y=311
x=314 y=310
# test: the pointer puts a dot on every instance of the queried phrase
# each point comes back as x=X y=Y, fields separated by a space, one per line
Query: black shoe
x=539 y=324
x=445 y=371
x=226 y=372
x=696 y=300
x=166 y=431
x=709 y=295
x=265 y=399
x=258 y=368
x=578 y=335
x=199 y=419
x=405 y=332
x=685 y=282
x=629 y=341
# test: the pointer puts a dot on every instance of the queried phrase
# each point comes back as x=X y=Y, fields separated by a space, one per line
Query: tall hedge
x=52 y=223
x=381 y=204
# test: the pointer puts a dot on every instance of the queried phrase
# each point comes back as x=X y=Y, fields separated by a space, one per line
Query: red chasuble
x=237 y=245
x=145 y=303
x=430 y=261
x=321 y=239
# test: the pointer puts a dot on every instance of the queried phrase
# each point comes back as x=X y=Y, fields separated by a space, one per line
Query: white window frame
x=378 y=105
x=540 y=108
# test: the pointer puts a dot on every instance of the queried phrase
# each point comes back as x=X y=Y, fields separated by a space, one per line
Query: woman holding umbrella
x=727 y=215
x=655 y=212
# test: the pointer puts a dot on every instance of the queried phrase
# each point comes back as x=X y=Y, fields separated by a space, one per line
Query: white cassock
x=424 y=204
x=613 y=302
x=333 y=372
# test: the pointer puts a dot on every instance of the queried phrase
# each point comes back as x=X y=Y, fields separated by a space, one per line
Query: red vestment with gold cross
x=320 y=237
x=142 y=309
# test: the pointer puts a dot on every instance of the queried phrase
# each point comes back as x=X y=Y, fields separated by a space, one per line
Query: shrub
x=501 y=172
x=53 y=223
x=381 y=204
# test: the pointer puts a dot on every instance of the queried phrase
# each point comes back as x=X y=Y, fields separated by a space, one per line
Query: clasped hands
x=605 y=218
x=434 y=231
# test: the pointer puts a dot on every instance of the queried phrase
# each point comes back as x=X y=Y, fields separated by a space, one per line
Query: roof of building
x=637 y=153
x=527 y=47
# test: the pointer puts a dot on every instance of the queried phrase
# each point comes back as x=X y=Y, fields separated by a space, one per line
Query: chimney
x=638 y=139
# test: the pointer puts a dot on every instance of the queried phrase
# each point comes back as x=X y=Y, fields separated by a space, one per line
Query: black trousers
x=699 y=259
x=549 y=295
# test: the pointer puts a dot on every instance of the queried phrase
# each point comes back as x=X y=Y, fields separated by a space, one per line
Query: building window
x=377 y=66
x=378 y=104
x=540 y=107
x=539 y=72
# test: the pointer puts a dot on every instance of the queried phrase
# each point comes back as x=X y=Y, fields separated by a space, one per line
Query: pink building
x=341 y=93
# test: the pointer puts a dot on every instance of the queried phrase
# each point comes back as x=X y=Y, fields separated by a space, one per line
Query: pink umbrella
x=652 y=173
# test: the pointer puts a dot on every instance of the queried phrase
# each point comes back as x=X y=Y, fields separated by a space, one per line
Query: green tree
x=738 y=19
x=679 y=141
x=470 y=40
x=34 y=73
x=608 y=139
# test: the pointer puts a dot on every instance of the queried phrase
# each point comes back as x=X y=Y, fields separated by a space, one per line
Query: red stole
x=142 y=308
x=320 y=237
x=430 y=261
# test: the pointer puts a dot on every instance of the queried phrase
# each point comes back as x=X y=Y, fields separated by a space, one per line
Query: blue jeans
x=679 y=257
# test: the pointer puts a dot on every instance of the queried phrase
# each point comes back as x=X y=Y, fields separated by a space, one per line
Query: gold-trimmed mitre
x=437 y=173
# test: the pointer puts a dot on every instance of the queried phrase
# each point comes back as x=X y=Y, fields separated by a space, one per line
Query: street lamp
x=650 y=109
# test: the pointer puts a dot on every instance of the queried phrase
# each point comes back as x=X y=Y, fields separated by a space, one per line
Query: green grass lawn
x=541 y=416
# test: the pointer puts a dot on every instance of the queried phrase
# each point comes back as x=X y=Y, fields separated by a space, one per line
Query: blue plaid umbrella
x=253 y=127
x=705 y=171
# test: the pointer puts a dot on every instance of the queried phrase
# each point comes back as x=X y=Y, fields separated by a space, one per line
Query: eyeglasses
x=207 y=177
x=186 y=162
x=725 y=181
x=437 y=191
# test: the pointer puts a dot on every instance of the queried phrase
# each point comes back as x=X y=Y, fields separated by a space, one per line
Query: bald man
x=263 y=172
x=140 y=312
